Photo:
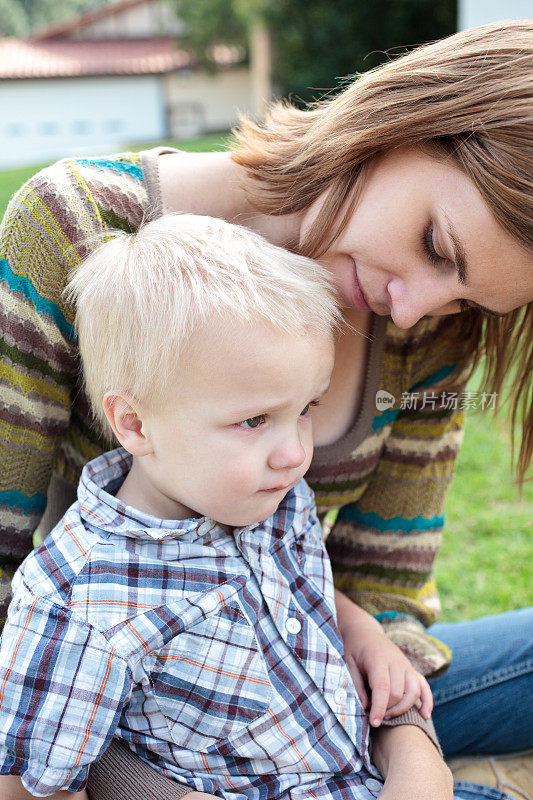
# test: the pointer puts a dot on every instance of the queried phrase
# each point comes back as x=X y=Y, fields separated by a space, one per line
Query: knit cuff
x=121 y=775
x=414 y=717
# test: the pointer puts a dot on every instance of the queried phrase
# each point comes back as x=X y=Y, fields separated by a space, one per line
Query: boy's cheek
x=239 y=482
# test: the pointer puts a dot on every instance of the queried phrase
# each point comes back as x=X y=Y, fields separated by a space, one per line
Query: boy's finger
x=410 y=697
x=398 y=680
x=380 y=684
x=358 y=683
x=426 y=697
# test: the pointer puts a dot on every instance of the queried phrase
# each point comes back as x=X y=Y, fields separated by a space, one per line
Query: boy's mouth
x=277 y=488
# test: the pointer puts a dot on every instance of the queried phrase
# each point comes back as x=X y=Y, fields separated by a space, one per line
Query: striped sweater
x=381 y=487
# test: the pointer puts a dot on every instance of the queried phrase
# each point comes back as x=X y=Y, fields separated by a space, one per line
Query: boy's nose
x=289 y=454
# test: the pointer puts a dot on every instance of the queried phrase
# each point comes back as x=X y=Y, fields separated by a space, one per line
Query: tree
x=317 y=41
x=13 y=19
x=210 y=22
x=241 y=22
x=21 y=17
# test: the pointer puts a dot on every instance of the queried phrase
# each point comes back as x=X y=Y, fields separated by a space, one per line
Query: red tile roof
x=73 y=58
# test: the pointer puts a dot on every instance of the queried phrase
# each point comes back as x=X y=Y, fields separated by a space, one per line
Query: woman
x=413 y=186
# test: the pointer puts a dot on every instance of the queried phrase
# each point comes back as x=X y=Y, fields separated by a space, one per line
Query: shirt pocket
x=211 y=681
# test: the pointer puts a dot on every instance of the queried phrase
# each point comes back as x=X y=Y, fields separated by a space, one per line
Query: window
x=81 y=127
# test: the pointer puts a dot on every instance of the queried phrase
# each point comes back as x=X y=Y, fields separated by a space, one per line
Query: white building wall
x=200 y=102
x=47 y=119
x=477 y=12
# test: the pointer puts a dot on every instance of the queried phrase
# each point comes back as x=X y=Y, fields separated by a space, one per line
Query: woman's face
x=421 y=241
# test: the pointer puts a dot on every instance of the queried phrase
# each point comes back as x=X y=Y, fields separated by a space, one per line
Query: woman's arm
x=410 y=764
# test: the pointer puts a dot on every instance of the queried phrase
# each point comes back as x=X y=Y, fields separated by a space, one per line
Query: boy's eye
x=252 y=422
x=308 y=406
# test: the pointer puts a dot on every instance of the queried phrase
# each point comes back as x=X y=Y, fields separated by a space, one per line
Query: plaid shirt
x=215 y=656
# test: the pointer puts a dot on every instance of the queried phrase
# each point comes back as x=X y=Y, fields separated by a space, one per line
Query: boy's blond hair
x=141 y=297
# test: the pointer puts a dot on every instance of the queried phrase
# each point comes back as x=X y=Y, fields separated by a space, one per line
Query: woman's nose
x=411 y=302
x=289 y=453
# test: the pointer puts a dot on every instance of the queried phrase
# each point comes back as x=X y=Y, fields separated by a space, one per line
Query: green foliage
x=209 y=22
x=13 y=19
x=21 y=17
x=316 y=41
x=47 y=12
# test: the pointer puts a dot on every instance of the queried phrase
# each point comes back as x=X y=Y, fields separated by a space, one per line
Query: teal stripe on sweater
x=18 y=283
x=35 y=503
x=390 y=616
x=388 y=416
x=373 y=520
x=121 y=167
x=436 y=377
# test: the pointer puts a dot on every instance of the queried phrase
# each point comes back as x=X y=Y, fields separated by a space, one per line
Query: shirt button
x=205 y=527
x=373 y=785
x=340 y=696
x=293 y=625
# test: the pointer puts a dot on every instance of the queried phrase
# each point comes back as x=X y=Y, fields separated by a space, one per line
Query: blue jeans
x=474 y=791
x=483 y=703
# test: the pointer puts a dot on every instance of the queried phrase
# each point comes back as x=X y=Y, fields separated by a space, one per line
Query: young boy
x=185 y=603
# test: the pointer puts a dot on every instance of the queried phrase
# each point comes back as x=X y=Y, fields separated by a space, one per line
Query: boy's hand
x=375 y=661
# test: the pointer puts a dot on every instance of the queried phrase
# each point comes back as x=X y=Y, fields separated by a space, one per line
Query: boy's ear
x=125 y=417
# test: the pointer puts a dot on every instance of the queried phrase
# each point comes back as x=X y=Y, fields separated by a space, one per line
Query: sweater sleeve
x=48 y=226
x=383 y=545
x=37 y=363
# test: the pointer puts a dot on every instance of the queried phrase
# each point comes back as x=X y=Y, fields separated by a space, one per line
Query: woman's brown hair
x=469 y=97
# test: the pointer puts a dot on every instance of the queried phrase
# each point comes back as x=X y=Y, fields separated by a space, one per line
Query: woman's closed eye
x=437 y=259
x=431 y=250
x=429 y=247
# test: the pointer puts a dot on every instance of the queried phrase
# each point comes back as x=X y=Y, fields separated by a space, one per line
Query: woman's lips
x=362 y=303
x=359 y=299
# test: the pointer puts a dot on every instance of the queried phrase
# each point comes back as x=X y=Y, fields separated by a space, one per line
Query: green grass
x=485 y=564
x=12 y=179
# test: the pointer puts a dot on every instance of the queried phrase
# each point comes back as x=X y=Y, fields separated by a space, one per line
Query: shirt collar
x=102 y=476
x=99 y=507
